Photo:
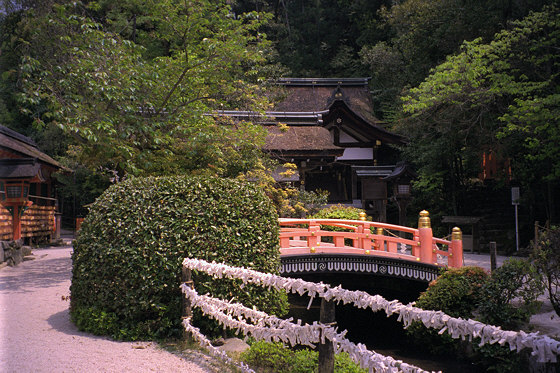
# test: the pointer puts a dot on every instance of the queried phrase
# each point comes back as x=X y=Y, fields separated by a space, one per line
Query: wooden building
x=27 y=194
x=335 y=140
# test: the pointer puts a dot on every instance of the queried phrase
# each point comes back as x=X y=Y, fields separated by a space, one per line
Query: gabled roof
x=301 y=141
x=402 y=170
x=315 y=95
x=23 y=146
x=359 y=127
x=335 y=96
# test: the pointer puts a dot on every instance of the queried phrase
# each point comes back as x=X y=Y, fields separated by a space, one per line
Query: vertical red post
x=456 y=252
x=366 y=238
x=425 y=235
x=380 y=240
x=16 y=224
x=312 y=239
x=415 y=249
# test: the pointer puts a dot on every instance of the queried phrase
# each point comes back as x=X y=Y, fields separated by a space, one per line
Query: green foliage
x=268 y=355
x=338 y=212
x=145 y=115
x=275 y=357
x=127 y=257
x=509 y=298
x=546 y=258
x=498 y=96
x=288 y=200
x=82 y=186
x=505 y=298
x=455 y=292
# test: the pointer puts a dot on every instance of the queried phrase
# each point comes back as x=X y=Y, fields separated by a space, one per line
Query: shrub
x=546 y=258
x=515 y=280
x=275 y=357
x=127 y=257
x=469 y=291
x=338 y=212
x=455 y=292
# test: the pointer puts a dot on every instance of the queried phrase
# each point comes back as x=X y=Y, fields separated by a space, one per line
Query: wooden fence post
x=492 y=256
x=186 y=278
x=326 y=350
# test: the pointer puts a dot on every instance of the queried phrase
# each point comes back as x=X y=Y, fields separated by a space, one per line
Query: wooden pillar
x=326 y=350
x=493 y=256
x=476 y=237
x=186 y=278
x=57 y=224
x=16 y=223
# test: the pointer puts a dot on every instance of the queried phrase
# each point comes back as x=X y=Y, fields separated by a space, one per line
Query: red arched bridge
x=320 y=246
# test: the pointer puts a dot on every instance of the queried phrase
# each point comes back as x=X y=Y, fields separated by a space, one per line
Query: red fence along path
x=336 y=236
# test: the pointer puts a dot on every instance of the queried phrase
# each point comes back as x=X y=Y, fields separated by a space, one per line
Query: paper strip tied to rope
x=272 y=329
x=544 y=348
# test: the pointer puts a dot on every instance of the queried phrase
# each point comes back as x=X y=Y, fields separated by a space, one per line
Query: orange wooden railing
x=304 y=236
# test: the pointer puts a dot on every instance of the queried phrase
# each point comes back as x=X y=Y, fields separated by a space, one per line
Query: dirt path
x=36 y=334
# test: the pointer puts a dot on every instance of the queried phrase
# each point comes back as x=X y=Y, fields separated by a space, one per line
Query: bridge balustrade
x=337 y=236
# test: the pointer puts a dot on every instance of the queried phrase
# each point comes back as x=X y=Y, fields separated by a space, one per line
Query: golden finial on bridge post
x=424 y=220
x=362 y=216
x=456 y=234
x=380 y=231
x=456 y=248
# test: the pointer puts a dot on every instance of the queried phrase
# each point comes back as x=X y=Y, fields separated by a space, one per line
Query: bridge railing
x=337 y=236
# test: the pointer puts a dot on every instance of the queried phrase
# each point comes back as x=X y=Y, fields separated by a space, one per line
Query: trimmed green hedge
x=127 y=257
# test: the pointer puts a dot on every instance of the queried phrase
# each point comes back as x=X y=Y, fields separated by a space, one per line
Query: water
x=382 y=334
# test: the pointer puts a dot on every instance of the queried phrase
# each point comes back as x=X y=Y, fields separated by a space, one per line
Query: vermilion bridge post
x=425 y=236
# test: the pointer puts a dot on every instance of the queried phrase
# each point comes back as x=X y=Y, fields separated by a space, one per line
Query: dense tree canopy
x=142 y=109
x=125 y=86
x=500 y=96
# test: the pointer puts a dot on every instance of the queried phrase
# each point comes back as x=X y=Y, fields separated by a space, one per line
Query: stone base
x=13 y=252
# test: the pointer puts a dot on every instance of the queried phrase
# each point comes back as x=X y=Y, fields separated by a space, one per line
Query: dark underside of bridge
x=391 y=278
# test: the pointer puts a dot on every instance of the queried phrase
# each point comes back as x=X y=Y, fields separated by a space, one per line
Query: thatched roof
x=308 y=140
x=22 y=146
x=311 y=94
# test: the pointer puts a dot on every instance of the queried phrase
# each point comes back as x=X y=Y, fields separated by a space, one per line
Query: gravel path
x=36 y=334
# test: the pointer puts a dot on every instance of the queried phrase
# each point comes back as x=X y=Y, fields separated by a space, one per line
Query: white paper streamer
x=204 y=342
x=235 y=316
x=543 y=347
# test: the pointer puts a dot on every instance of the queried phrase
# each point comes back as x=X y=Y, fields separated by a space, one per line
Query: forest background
x=113 y=89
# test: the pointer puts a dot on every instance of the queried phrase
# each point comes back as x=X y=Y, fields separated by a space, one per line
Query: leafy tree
x=492 y=96
x=142 y=115
x=417 y=35
x=546 y=258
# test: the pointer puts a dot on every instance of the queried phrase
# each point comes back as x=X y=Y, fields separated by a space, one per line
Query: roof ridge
x=359 y=81
x=16 y=135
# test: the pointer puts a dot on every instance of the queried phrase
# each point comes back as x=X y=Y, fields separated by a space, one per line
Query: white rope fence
x=272 y=329
x=543 y=347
